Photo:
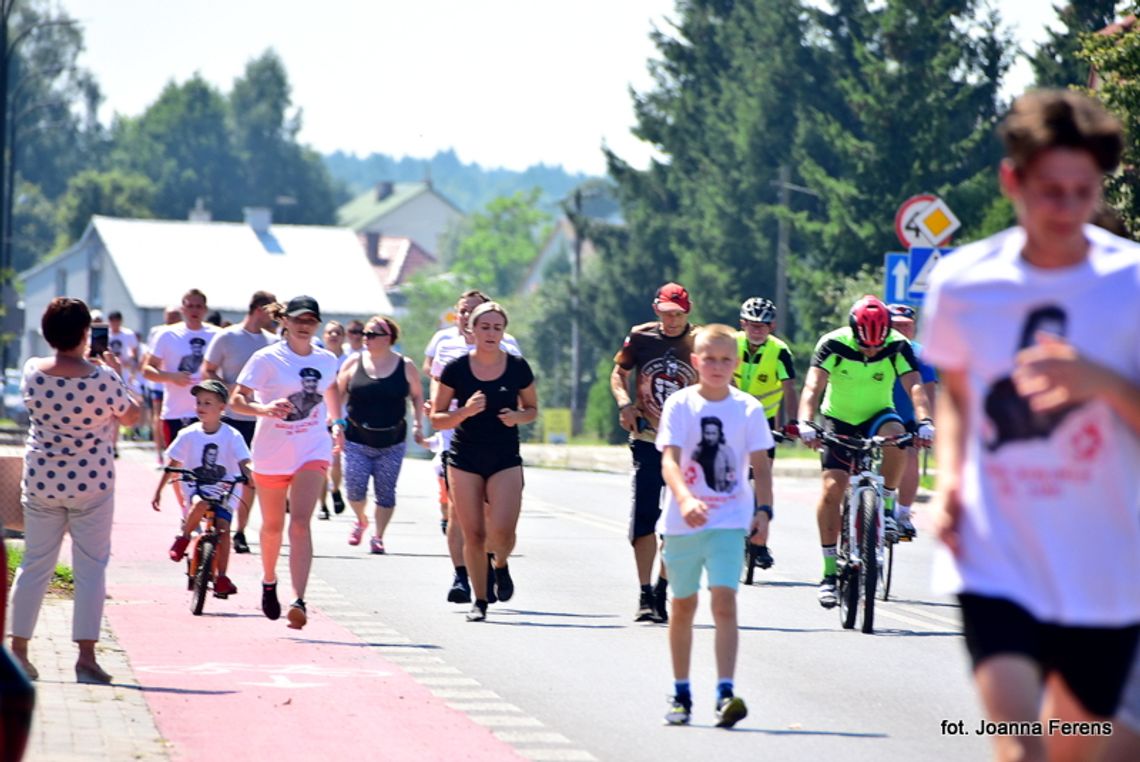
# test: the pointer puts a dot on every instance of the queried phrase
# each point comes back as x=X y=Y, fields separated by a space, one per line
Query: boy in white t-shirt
x=709 y=434
x=1036 y=336
x=212 y=450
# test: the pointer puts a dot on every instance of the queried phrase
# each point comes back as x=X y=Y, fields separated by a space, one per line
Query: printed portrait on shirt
x=659 y=378
x=192 y=362
x=716 y=459
x=1008 y=414
x=209 y=469
x=306 y=400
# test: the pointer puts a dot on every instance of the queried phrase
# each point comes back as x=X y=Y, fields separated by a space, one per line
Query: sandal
x=356 y=534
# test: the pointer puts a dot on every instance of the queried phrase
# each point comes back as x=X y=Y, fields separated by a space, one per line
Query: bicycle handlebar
x=190 y=476
x=860 y=443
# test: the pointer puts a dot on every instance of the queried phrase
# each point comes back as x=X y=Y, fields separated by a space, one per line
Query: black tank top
x=378 y=402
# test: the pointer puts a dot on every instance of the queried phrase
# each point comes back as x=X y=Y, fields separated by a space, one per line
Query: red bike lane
x=231 y=680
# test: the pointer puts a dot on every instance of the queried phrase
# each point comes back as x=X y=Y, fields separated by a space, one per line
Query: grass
x=62 y=581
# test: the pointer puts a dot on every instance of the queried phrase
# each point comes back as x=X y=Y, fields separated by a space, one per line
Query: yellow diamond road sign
x=937 y=222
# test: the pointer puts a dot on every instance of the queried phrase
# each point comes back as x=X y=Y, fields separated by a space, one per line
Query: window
x=95 y=281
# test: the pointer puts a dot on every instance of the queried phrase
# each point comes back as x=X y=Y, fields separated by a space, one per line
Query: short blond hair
x=713 y=332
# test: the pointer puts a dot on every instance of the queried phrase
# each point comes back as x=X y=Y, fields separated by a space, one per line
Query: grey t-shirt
x=229 y=350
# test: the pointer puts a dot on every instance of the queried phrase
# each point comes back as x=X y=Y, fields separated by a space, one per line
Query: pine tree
x=1057 y=61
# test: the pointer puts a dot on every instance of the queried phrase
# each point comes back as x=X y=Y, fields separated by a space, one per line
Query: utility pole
x=782 y=249
x=575 y=336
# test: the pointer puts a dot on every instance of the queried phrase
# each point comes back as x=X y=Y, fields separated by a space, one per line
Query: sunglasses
x=355 y=331
x=374 y=334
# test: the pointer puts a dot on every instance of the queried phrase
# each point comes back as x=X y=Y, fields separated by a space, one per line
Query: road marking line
x=573 y=755
x=482 y=706
x=415 y=669
x=505 y=721
x=530 y=736
x=453 y=682
x=464 y=693
x=928 y=626
x=413 y=658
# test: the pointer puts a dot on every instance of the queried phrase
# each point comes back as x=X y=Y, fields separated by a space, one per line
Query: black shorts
x=772 y=450
x=484 y=460
x=245 y=428
x=834 y=457
x=647 y=486
x=1093 y=661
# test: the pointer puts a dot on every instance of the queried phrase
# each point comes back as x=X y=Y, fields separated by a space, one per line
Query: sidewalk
x=231 y=680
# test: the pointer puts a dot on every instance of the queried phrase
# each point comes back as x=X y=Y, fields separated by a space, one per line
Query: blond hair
x=711 y=333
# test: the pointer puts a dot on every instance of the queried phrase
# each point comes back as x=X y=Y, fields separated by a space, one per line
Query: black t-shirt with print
x=502 y=392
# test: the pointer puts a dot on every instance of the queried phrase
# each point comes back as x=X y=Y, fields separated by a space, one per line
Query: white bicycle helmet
x=758 y=309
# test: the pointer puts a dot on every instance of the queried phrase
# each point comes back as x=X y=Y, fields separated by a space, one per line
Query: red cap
x=672 y=297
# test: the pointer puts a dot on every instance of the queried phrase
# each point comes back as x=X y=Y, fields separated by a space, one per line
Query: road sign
x=922 y=262
x=897 y=270
x=925 y=220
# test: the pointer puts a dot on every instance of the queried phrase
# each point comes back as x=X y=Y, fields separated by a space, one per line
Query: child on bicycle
x=221 y=453
x=708 y=435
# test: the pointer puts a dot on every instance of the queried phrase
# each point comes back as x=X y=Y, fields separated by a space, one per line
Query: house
x=141 y=266
x=398 y=258
x=405 y=210
x=595 y=201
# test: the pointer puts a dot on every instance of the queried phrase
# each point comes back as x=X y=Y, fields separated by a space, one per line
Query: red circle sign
x=906 y=211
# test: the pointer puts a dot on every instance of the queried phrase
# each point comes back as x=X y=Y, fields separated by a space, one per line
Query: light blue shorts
x=720 y=551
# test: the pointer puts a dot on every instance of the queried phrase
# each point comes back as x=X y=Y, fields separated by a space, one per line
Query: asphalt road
x=566 y=655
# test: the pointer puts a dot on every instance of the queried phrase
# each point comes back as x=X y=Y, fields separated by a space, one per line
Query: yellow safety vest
x=760 y=377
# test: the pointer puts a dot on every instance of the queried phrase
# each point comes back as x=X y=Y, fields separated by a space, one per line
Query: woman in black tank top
x=495 y=392
x=378 y=384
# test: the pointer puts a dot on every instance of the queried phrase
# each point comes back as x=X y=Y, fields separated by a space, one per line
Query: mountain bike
x=202 y=554
x=751 y=551
x=864 y=560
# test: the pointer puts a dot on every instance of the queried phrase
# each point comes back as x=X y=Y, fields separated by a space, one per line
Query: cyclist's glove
x=808 y=435
x=926 y=429
x=791 y=429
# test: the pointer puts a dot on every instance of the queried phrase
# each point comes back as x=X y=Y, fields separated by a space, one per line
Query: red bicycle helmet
x=870 y=321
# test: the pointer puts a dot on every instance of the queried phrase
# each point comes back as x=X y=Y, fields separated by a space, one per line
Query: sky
x=505 y=83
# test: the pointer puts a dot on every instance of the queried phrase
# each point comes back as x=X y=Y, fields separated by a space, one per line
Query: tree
x=494 y=247
x=1057 y=61
x=114 y=193
x=35 y=226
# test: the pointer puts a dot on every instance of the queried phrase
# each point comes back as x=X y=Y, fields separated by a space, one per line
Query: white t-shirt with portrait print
x=210 y=456
x=716 y=441
x=281 y=446
x=1051 y=502
x=182 y=350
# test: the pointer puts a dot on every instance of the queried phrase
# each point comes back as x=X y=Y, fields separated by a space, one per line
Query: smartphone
x=100 y=333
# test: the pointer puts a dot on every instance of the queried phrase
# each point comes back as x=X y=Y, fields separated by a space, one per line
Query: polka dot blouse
x=70 y=437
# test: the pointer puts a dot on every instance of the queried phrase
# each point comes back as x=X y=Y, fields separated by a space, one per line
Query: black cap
x=299 y=305
x=211 y=385
x=310 y=373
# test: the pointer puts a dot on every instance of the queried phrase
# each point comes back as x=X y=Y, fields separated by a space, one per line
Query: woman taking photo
x=290 y=387
x=495 y=393
x=377 y=384
x=75 y=404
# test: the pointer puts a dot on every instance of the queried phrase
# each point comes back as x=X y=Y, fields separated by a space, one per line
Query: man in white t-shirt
x=176 y=361
x=1036 y=336
x=226 y=355
x=154 y=391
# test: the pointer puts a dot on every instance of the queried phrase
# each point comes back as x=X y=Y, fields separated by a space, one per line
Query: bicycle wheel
x=868 y=544
x=885 y=571
x=847 y=584
x=206 y=549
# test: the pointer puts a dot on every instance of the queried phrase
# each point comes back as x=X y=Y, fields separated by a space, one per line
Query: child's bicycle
x=202 y=554
x=864 y=560
x=752 y=560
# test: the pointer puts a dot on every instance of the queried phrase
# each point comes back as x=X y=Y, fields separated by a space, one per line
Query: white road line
x=482 y=706
x=505 y=721
x=447 y=682
x=439 y=669
x=530 y=736
x=463 y=693
x=572 y=755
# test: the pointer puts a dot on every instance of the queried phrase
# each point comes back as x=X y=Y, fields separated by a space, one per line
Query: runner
x=226 y=355
x=154 y=390
x=124 y=344
x=176 y=361
x=291 y=446
x=377 y=385
x=767 y=373
x=857 y=366
x=333 y=341
x=902 y=320
x=495 y=392
x=1034 y=334
x=657 y=355
x=354 y=335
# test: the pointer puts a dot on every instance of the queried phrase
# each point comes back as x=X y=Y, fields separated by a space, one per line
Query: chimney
x=258 y=217
x=200 y=213
x=372 y=247
x=384 y=189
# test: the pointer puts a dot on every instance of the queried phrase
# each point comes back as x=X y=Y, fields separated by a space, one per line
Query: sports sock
x=890 y=497
x=829 y=567
x=902 y=511
x=681 y=690
x=724 y=688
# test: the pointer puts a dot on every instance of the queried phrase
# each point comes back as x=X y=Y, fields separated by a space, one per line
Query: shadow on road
x=893 y=633
x=178 y=691
x=559 y=613
x=370 y=644
x=780 y=583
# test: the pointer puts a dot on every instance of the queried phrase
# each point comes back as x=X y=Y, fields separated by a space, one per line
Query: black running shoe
x=661 y=605
x=460 y=591
x=240 y=545
x=491 y=597
x=645 y=611
x=478 y=612
x=729 y=711
x=764 y=557
x=504 y=585
x=270 y=606
x=338 y=502
x=324 y=514
x=680 y=711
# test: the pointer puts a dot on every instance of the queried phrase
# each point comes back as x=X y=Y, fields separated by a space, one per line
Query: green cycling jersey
x=859 y=387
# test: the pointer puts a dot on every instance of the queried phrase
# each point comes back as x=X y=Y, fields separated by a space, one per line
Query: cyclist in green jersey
x=766 y=372
x=858 y=366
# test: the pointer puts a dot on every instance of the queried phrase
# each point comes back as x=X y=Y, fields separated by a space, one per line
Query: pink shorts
x=281 y=481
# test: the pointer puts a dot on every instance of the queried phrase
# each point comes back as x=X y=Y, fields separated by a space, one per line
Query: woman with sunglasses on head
x=495 y=392
x=290 y=387
x=333 y=340
x=377 y=384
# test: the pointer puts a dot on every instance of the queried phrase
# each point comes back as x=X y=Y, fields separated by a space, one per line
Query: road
x=563 y=663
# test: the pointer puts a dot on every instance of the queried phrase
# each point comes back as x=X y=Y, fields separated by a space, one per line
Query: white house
x=141 y=266
x=407 y=210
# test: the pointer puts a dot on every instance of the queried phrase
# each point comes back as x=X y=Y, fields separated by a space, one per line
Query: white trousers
x=88 y=520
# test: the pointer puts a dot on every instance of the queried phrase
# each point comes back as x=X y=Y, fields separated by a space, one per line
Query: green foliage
x=601 y=419
x=1057 y=61
x=428 y=296
x=35 y=226
x=114 y=193
x=822 y=301
x=1116 y=59
x=495 y=247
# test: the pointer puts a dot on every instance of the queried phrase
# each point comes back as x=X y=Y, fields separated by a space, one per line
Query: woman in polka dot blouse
x=75 y=404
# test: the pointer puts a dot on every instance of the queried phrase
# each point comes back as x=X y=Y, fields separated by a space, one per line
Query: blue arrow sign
x=922 y=262
x=897 y=268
